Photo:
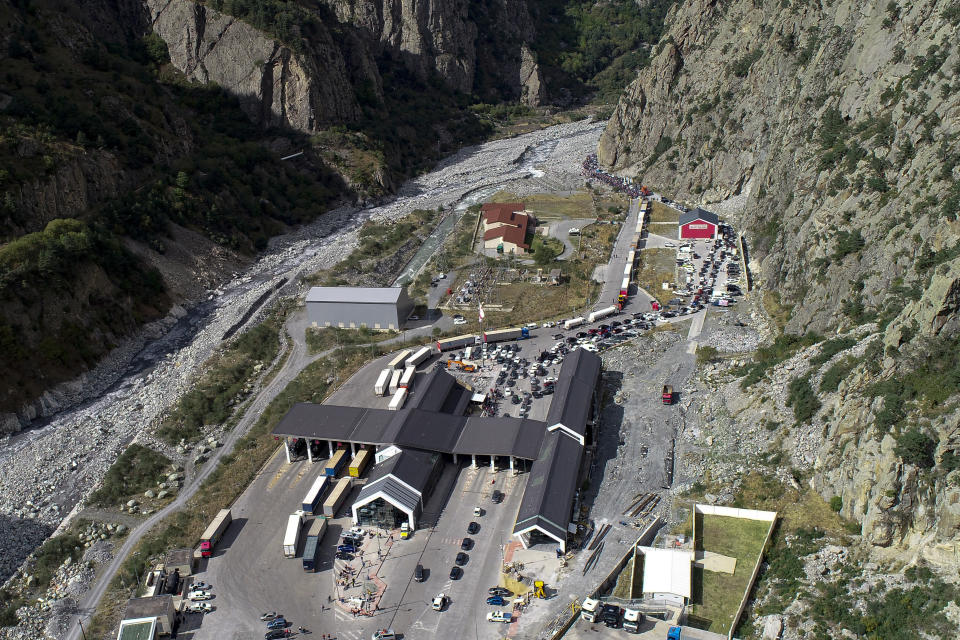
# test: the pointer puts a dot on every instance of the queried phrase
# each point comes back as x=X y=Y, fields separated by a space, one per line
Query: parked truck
x=406 y=380
x=573 y=322
x=337 y=495
x=516 y=333
x=383 y=382
x=422 y=354
x=311 y=502
x=396 y=402
x=359 y=463
x=457 y=342
x=335 y=464
x=590 y=609
x=399 y=359
x=292 y=535
x=601 y=313
x=214 y=532
x=311 y=548
x=632 y=620
x=394 y=381
x=667 y=394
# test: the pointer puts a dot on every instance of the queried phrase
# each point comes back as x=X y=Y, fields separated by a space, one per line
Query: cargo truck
x=383 y=381
x=602 y=313
x=573 y=322
x=335 y=463
x=311 y=502
x=359 y=463
x=457 y=342
x=214 y=532
x=399 y=359
x=666 y=395
x=624 y=289
x=422 y=354
x=406 y=380
x=631 y=620
x=516 y=333
x=337 y=495
x=395 y=381
x=311 y=548
x=396 y=403
x=292 y=535
x=590 y=609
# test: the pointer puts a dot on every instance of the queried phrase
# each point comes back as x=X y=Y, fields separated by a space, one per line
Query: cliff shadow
x=21 y=536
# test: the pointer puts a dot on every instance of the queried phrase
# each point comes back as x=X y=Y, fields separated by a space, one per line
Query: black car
x=473 y=528
x=276 y=633
x=581 y=334
x=418 y=574
x=466 y=544
x=515 y=399
x=462 y=559
x=604 y=327
x=343 y=555
x=548 y=390
x=615 y=323
x=538 y=394
x=497 y=497
x=558 y=336
x=455 y=573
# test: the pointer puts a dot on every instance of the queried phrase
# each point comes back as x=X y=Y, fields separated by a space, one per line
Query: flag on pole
x=480 y=311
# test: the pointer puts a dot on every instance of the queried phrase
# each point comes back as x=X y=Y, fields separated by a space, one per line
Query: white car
x=358 y=531
x=439 y=602
x=383 y=634
x=200 y=607
x=499 y=616
x=547 y=325
x=459 y=321
x=199 y=595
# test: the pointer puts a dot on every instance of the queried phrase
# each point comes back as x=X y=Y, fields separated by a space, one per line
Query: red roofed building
x=505 y=227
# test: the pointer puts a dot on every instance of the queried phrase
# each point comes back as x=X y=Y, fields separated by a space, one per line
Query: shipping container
x=601 y=313
x=396 y=403
x=311 y=502
x=292 y=535
x=214 y=532
x=395 y=381
x=336 y=497
x=422 y=354
x=359 y=463
x=336 y=463
x=456 y=342
x=311 y=548
x=383 y=380
x=399 y=359
x=406 y=380
x=573 y=322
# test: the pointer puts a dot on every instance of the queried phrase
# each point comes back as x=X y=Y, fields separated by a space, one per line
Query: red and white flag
x=480 y=311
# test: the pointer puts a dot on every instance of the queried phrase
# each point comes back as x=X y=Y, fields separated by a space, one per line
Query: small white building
x=666 y=574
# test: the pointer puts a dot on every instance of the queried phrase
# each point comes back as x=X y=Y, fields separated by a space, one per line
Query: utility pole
x=82 y=632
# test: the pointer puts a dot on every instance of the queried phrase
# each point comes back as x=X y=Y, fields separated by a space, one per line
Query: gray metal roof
x=552 y=486
x=395 y=493
x=355 y=295
x=698 y=214
x=397 y=475
x=575 y=385
x=501 y=436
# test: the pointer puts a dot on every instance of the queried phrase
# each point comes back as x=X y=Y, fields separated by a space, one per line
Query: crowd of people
x=591 y=170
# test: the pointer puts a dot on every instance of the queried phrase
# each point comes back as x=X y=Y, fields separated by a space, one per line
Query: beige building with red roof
x=505 y=227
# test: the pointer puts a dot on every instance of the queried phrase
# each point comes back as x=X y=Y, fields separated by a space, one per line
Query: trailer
x=573 y=322
x=631 y=257
x=624 y=289
x=601 y=313
x=311 y=502
x=311 y=548
x=516 y=333
x=399 y=359
x=456 y=342
x=394 y=381
x=419 y=357
x=335 y=463
x=396 y=403
x=359 y=463
x=336 y=497
x=214 y=532
x=292 y=535
x=383 y=380
x=628 y=270
x=406 y=380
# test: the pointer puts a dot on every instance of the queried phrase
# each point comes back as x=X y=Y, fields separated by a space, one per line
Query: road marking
x=692 y=347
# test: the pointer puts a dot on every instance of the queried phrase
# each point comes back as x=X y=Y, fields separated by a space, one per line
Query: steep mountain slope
x=828 y=132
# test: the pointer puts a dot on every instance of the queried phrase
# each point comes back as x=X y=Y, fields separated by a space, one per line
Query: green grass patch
x=321 y=339
x=223 y=386
x=803 y=399
x=837 y=372
x=831 y=348
x=715 y=595
x=545 y=249
x=769 y=356
x=656 y=267
x=659 y=212
x=136 y=470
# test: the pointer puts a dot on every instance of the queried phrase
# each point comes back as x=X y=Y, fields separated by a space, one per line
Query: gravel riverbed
x=48 y=470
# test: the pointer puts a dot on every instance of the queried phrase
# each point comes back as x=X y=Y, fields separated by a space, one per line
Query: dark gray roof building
x=355 y=307
x=698 y=214
x=402 y=480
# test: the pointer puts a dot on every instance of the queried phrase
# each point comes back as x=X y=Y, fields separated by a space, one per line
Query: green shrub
x=768 y=356
x=916 y=448
x=741 y=67
x=706 y=354
x=836 y=503
x=803 y=399
x=831 y=378
x=136 y=470
x=831 y=348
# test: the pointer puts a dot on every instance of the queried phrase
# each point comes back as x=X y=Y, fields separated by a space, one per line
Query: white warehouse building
x=355 y=307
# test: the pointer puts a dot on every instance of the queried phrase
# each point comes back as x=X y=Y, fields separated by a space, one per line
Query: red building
x=698 y=224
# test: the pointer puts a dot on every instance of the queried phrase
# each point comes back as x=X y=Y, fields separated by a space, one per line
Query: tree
x=916 y=448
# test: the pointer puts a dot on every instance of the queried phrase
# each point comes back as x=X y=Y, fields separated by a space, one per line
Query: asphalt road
x=560 y=229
